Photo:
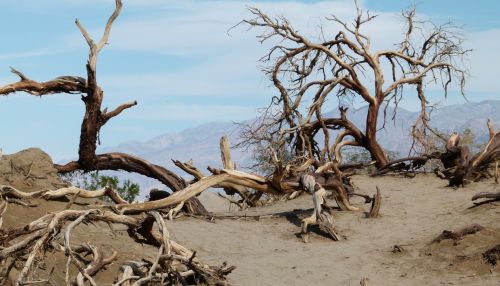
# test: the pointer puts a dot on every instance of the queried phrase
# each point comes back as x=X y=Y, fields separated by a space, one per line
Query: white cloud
x=484 y=61
x=200 y=28
x=223 y=65
x=225 y=76
x=194 y=112
x=26 y=54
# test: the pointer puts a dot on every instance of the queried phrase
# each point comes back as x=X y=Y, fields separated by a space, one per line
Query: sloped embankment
x=29 y=170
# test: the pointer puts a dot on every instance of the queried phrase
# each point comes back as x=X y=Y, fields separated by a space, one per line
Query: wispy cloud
x=225 y=64
x=484 y=61
x=194 y=112
x=26 y=54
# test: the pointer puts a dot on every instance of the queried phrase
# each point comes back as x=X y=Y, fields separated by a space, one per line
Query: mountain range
x=201 y=143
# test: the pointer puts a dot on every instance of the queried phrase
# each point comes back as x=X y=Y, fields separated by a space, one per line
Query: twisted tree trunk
x=371 y=143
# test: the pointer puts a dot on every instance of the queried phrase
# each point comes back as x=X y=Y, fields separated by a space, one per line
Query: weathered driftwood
x=489 y=197
x=97 y=262
x=77 y=192
x=3 y=209
x=221 y=178
x=461 y=166
x=486 y=195
x=33 y=239
x=237 y=178
x=248 y=196
x=195 y=189
x=319 y=216
x=375 y=208
x=16 y=196
x=497 y=172
x=9 y=191
x=458 y=234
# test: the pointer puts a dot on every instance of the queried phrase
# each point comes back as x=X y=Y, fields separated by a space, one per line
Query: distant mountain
x=201 y=143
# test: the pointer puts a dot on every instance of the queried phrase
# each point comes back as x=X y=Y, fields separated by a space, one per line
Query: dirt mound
x=29 y=170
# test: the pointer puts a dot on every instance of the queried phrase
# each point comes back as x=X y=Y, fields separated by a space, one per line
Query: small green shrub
x=93 y=181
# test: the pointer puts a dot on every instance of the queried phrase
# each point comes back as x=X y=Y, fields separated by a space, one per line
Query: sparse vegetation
x=93 y=181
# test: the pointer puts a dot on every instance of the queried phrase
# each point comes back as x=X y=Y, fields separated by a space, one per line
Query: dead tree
x=95 y=118
x=460 y=166
x=308 y=72
x=494 y=196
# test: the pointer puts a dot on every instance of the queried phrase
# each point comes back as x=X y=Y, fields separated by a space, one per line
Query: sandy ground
x=414 y=212
x=269 y=251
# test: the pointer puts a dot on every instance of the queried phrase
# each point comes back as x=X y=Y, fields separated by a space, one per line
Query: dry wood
x=461 y=167
x=458 y=234
x=497 y=172
x=486 y=195
x=190 y=169
x=225 y=153
x=98 y=262
x=319 y=216
x=3 y=209
x=248 y=196
x=491 y=128
x=376 y=202
x=126 y=276
x=77 y=192
x=224 y=176
x=97 y=259
x=9 y=191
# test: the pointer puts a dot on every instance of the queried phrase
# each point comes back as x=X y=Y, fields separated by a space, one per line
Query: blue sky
x=176 y=59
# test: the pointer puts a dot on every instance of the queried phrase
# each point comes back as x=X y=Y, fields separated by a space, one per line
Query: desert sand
x=414 y=212
x=394 y=249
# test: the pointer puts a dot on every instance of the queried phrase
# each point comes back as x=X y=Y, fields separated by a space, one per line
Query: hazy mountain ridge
x=201 y=143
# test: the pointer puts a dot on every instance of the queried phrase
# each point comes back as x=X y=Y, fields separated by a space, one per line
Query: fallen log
x=458 y=234
x=486 y=195
x=9 y=191
x=77 y=192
